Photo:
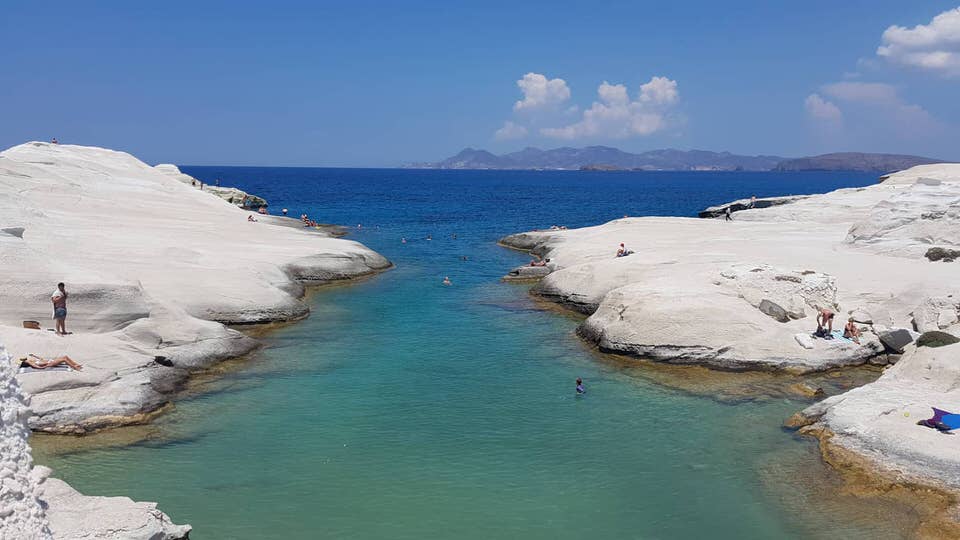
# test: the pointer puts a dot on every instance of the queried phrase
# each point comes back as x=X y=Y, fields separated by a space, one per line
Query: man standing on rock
x=59 y=299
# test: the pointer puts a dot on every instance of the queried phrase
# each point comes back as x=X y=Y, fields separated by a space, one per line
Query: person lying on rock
x=40 y=363
x=824 y=322
x=251 y=218
x=851 y=332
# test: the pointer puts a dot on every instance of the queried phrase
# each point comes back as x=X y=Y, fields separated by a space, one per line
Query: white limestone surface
x=153 y=267
x=690 y=293
x=21 y=510
x=879 y=420
x=34 y=506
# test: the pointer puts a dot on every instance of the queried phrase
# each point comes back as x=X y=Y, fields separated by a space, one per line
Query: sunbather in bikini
x=40 y=363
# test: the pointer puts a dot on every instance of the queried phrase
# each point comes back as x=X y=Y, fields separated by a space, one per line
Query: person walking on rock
x=726 y=215
x=59 y=299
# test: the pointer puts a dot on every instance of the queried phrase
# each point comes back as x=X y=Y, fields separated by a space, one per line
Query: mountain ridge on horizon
x=600 y=157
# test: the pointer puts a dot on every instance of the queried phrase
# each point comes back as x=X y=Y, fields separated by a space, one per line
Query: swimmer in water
x=580 y=389
x=403 y=240
x=446 y=281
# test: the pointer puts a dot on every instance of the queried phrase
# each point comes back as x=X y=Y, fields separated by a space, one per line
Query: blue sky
x=383 y=83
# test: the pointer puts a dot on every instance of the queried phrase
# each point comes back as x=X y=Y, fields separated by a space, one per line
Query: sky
x=380 y=84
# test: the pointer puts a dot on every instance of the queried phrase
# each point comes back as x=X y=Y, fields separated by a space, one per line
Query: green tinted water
x=405 y=409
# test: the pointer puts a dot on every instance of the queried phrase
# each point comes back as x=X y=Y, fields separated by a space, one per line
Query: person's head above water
x=579 y=380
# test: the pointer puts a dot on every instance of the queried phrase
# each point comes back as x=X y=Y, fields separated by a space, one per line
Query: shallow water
x=405 y=409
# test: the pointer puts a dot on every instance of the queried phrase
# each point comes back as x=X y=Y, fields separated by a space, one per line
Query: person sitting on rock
x=851 y=332
x=40 y=363
x=824 y=322
x=262 y=210
x=623 y=251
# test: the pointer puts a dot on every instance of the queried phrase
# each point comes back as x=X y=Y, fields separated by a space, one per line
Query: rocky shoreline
x=156 y=269
x=743 y=295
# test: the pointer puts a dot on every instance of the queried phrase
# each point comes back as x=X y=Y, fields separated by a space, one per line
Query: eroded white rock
x=153 y=267
x=693 y=289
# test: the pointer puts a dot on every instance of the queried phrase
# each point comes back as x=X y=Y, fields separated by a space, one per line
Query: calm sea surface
x=405 y=409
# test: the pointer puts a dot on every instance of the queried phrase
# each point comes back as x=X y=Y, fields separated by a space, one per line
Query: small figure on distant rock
x=726 y=214
x=753 y=201
x=851 y=332
x=824 y=322
x=446 y=280
x=262 y=210
x=580 y=388
x=284 y=211
x=251 y=218
x=623 y=251
x=54 y=141
x=59 y=299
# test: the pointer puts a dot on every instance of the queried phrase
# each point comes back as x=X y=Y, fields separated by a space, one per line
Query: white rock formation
x=152 y=265
x=74 y=515
x=734 y=295
x=232 y=195
x=21 y=511
x=879 y=420
x=34 y=507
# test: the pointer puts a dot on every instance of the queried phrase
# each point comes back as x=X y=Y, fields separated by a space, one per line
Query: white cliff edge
x=743 y=294
x=35 y=507
x=154 y=267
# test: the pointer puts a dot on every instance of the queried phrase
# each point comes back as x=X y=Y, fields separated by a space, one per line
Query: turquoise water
x=405 y=409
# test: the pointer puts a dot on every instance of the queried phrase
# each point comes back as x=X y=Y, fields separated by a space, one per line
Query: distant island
x=854 y=161
x=605 y=158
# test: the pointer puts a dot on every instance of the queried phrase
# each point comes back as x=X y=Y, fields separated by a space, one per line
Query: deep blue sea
x=405 y=409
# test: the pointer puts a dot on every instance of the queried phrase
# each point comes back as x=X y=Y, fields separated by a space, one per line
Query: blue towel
x=838 y=334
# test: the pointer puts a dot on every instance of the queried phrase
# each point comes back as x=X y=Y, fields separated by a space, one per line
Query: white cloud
x=510 y=130
x=883 y=102
x=862 y=92
x=540 y=92
x=615 y=115
x=659 y=90
x=822 y=109
x=934 y=46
